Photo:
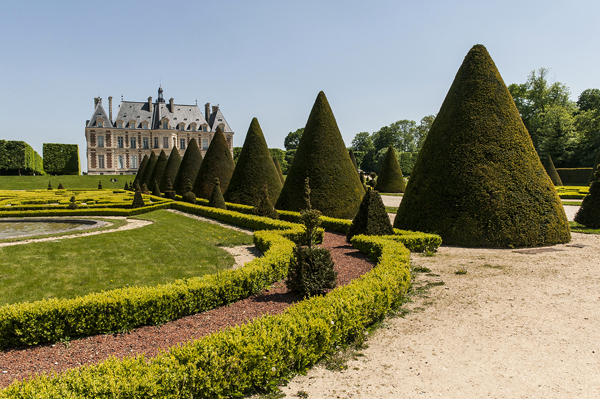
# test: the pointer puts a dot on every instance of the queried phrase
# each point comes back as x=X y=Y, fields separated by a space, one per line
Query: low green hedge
x=246 y=357
x=103 y=211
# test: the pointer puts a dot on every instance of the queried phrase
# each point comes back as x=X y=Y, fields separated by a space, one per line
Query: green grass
x=173 y=247
x=391 y=209
x=392 y=194
x=578 y=228
x=572 y=203
x=68 y=181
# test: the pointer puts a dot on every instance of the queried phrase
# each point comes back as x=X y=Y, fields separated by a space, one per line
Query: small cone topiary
x=279 y=172
x=100 y=185
x=216 y=199
x=60 y=186
x=254 y=170
x=171 y=169
x=390 y=179
x=264 y=207
x=218 y=163
x=371 y=219
x=353 y=159
x=478 y=181
x=72 y=203
x=49 y=185
x=156 y=190
x=322 y=156
x=589 y=212
x=169 y=192
x=144 y=189
x=594 y=169
x=188 y=195
x=159 y=170
x=126 y=188
x=140 y=170
x=138 y=200
x=189 y=167
x=551 y=170
x=149 y=170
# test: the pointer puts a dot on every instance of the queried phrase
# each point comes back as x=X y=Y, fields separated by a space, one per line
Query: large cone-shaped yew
x=254 y=170
x=171 y=169
x=218 y=163
x=140 y=172
x=551 y=170
x=390 y=179
x=322 y=156
x=189 y=167
x=149 y=169
x=478 y=181
x=159 y=170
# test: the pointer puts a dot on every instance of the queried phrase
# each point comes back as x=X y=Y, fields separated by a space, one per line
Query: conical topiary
x=60 y=186
x=589 y=212
x=216 y=199
x=594 y=169
x=144 y=189
x=188 y=195
x=171 y=169
x=126 y=188
x=72 y=203
x=279 y=172
x=140 y=171
x=159 y=170
x=372 y=218
x=478 y=181
x=169 y=192
x=264 y=207
x=49 y=185
x=390 y=178
x=155 y=190
x=322 y=156
x=551 y=170
x=189 y=167
x=353 y=159
x=152 y=160
x=254 y=170
x=138 y=200
x=100 y=185
x=218 y=163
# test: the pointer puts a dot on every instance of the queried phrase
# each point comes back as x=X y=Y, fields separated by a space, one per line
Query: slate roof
x=99 y=112
x=216 y=119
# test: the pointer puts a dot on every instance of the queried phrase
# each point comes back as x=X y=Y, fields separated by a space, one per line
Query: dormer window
x=132 y=125
x=193 y=128
x=181 y=126
x=120 y=125
x=165 y=125
x=100 y=123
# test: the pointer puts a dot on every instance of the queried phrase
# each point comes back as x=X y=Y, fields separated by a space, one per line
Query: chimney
x=110 y=108
x=150 y=104
x=215 y=108
x=207 y=111
x=171 y=104
x=97 y=100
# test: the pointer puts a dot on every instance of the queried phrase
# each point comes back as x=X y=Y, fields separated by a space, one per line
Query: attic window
x=175 y=118
x=138 y=116
x=185 y=119
x=220 y=120
x=197 y=120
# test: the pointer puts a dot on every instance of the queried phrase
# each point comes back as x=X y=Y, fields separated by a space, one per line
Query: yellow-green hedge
x=250 y=356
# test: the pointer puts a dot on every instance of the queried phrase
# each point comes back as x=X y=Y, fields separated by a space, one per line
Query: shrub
x=126 y=188
x=322 y=156
x=61 y=159
x=353 y=159
x=144 y=189
x=159 y=170
x=390 y=178
x=254 y=170
x=72 y=203
x=60 y=186
x=156 y=190
x=481 y=184
x=264 y=206
x=279 y=172
x=169 y=192
x=100 y=185
x=575 y=176
x=216 y=199
x=17 y=157
x=138 y=200
x=589 y=212
x=551 y=170
x=595 y=167
x=218 y=163
x=171 y=169
x=189 y=167
x=371 y=219
x=312 y=273
x=189 y=197
x=49 y=185
x=149 y=170
x=140 y=172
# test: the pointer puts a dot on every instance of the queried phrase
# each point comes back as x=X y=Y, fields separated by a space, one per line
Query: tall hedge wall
x=17 y=157
x=61 y=159
x=574 y=176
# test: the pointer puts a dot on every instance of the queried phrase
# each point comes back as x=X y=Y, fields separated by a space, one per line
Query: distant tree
x=362 y=142
x=281 y=158
x=292 y=140
x=589 y=99
x=236 y=154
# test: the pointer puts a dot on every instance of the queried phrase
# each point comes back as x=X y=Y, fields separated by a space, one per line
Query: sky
x=377 y=61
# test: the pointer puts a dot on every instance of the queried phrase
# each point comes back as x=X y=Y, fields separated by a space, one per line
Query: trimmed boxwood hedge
x=61 y=159
x=575 y=176
x=17 y=157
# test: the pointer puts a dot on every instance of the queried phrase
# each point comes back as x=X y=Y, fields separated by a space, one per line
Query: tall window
x=205 y=144
x=133 y=145
x=174 y=142
x=193 y=128
x=134 y=162
x=165 y=125
x=145 y=143
x=121 y=161
x=156 y=142
x=120 y=125
x=132 y=125
x=100 y=161
x=100 y=124
x=100 y=141
x=182 y=144
x=165 y=142
x=119 y=142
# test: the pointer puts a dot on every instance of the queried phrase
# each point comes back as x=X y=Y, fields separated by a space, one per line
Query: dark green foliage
x=390 y=178
x=279 y=172
x=218 y=163
x=265 y=206
x=589 y=212
x=551 y=170
x=72 y=203
x=187 y=187
x=594 y=169
x=371 y=219
x=574 y=176
x=156 y=190
x=61 y=159
x=100 y=185
x=140 y=171
x=313 y=272
x=170 y=172
x=60 y=186
x=353 y=159
x=149 y=170
x=281 y=156
x=138 y=200
x=189 y=197
x=126 y=188
x=159 y=170
x=169 y=192
x=362 y=177
x=216 y=199
x=49 y=185
x=137 y=186
x=254 y=169
x=323 y=157
x=372 y=183
x=189 y=167
x=144 y=189
x=478 y=181
x=17 y=158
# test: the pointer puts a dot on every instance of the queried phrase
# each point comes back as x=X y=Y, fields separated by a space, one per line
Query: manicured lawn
x=173 y=247
x=578 y=228
x=68 y=182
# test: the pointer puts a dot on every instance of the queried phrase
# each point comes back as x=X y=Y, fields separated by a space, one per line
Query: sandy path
x=514 y=326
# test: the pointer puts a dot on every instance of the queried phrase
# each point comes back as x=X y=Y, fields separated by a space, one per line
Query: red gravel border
x=19 y=363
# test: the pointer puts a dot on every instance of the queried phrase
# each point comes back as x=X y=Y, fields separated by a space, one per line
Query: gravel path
x=19 y=363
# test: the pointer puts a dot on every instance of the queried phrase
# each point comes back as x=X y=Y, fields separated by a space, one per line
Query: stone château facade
x=117 y=147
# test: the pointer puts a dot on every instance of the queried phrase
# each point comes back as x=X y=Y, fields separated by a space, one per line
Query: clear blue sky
x=377 y=61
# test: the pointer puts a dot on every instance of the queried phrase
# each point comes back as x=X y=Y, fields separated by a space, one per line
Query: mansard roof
x=217 y=119
x=180 y=113
x=99 y=113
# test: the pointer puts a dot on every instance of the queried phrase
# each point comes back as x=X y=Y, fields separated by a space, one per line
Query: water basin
x=23 y=227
